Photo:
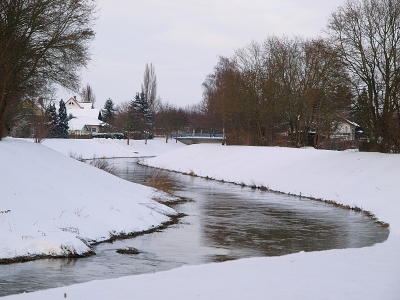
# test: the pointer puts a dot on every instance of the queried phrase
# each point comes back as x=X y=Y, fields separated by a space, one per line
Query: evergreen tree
x=53 y=116
x=141 y=113
x=62 y=121
x=108 y=112
x=141 y=105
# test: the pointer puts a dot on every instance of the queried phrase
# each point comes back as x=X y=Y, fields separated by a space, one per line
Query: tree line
x=279 y=91
x=282 y=91
x=43 y=45
x=295 y=91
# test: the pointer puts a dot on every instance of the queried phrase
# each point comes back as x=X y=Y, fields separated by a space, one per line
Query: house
x=29 y=115
x=72 y=103
x=32 y=107
x=346 y=130
x=83 y=119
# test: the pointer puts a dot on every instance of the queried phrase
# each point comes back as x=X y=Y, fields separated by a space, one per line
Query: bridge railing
x=189 y=135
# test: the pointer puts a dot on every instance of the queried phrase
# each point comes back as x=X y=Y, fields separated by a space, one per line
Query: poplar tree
x=149 y=86
x=88 y=95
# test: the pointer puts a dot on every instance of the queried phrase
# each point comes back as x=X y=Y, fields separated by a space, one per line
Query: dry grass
x=75 y=155
x=162 y=180
x=253 y=185
x=100 y=163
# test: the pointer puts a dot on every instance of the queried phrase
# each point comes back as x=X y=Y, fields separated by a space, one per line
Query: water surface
x=223 y=222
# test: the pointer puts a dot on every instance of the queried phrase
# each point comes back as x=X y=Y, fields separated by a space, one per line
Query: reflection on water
x=223 y=222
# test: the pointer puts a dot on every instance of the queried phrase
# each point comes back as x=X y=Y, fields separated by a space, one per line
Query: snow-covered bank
x=367 y=180
x=51 y=204
x=87 y=149
x=313 y=275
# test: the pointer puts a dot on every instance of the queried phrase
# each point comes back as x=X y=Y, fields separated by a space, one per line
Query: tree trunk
x=3 y=106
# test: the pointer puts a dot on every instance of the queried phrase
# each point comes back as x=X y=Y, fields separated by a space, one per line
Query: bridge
x=201 y=138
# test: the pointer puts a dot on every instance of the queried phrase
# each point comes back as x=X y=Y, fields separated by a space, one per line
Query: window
x=93 y=129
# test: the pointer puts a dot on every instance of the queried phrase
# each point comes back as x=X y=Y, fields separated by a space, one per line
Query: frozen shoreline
x=366 y=180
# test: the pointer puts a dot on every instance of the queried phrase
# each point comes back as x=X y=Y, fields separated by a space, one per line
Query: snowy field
x=366 y=180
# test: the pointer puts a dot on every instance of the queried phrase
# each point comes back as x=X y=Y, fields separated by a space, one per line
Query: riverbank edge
x=174 y=219
x=263 y=188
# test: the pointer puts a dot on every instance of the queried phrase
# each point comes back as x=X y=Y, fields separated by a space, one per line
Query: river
x=223 y=222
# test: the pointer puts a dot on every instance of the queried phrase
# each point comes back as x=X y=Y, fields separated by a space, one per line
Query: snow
x=82 y=117
x=366 y=180
x=79 y=112
x=51 y=203
x=88 y=149
x=80 y=122
x=86 y=105
x=353 y=123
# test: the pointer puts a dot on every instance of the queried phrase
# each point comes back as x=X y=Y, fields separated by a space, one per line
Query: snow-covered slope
x=49 y=202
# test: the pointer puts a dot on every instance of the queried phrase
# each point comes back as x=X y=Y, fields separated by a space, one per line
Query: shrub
x=162 y=180
x=116 y=135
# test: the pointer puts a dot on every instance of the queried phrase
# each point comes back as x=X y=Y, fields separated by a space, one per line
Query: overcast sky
x=183 y=39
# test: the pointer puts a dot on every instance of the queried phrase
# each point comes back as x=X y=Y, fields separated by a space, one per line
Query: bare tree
x=40 y=128
x=125 y=121
x=282 y=87
x=88 y=95
x=149 y=86
x=311 y=84
x=366 y=34
x=225 y=101
x=171 y=119
x=41 y=43
x=32 y=120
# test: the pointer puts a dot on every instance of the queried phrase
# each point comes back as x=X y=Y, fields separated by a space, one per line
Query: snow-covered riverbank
x=53 y=205
x=88 y=149
x=366 y=180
